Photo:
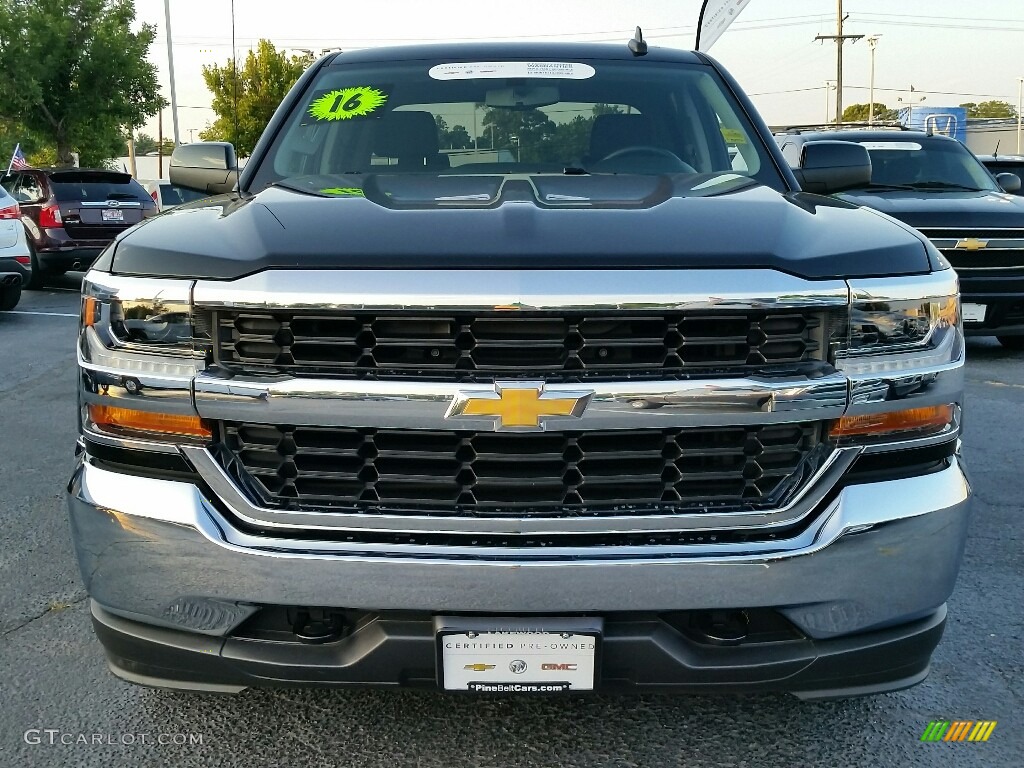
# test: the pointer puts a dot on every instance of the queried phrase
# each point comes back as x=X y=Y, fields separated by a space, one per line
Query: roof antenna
x=637 y=45
x=995 y=151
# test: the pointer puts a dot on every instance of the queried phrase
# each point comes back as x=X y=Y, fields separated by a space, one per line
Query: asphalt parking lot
x=56 y=687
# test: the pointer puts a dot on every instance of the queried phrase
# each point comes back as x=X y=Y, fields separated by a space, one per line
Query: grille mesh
x=493 y=473
x=460 y=347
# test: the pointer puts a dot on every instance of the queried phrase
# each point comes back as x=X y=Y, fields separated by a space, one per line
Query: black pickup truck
x=520 y=368
x=933 y=183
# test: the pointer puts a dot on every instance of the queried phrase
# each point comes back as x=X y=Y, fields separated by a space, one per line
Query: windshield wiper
x=573 y=170
x=944 y=185
x=889 y=187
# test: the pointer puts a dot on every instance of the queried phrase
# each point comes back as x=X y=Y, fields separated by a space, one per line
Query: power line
x=938 y=18
x=673 y=31
x=961 y=27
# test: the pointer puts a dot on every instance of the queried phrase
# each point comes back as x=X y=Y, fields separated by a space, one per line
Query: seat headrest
x=408 y=136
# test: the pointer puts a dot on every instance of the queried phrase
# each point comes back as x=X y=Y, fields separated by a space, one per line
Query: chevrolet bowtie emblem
x=518 y=405
x=971 y=244
x=478 y=667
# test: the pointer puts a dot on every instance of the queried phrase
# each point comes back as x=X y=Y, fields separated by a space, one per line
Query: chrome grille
x=494 y=473
x=460 y=347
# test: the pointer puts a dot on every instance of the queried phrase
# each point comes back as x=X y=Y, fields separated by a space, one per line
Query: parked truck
x=621 y=408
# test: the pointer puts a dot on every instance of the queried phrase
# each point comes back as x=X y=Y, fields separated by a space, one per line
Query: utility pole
x=1020 y=92
x=160 y=145
x=872 y=42
x=131 y=150
x=839 y=39
x=829 y=85
x=170 y=71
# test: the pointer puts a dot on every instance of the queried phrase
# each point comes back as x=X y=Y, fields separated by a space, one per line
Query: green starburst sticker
x=343 y=192
x=346 y=103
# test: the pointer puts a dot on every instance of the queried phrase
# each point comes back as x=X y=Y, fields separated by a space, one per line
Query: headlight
x=904 y=358
x=893 y=331
x=139 y=350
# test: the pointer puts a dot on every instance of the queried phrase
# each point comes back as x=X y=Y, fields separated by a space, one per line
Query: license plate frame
x=539 y=655
x=112 y=214
x=973 y=313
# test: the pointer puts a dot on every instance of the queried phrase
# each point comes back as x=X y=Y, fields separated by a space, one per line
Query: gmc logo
x=559 y=667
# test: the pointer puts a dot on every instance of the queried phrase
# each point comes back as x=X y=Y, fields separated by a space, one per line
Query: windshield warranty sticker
x=472 y=70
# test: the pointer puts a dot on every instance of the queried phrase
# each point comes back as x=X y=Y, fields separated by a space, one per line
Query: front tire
x=1012 y=342
x=10 y=295
x=35 y=279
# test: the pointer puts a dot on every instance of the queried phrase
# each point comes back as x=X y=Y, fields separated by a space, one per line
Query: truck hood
x=419 y=221
x=967 y=210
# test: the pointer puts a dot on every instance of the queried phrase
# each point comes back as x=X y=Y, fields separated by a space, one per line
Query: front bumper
x=877 y=560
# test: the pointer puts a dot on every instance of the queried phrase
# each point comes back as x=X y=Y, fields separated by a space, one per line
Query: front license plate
x=524 y=656
x=973 y=313
x=113 y=215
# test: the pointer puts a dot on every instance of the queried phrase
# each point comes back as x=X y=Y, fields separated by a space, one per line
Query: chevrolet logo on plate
x=478 y=667
x=971 y=244
x=521 y=405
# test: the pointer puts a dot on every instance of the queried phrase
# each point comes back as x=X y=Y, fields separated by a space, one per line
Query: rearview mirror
x=833 y=166
x=210 y=167
x=522 y=97
x=1010 y=182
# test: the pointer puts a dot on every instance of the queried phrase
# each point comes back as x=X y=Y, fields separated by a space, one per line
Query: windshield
x=933 y=164
x=172 y=195
x=515 y=117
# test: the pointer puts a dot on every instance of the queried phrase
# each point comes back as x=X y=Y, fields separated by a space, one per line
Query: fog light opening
x=316 y=626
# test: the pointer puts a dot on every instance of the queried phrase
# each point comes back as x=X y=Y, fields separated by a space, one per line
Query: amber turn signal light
x=90 y=311
x=167 y=423
x=928 y=419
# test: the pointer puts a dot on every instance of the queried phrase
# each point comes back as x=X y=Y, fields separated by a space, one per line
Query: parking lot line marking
x=994 y=383
x=47 y=314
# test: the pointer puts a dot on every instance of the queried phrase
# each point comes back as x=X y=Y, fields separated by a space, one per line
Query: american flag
x=18 y=161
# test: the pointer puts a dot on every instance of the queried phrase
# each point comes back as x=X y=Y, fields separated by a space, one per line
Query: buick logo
x=517 y=666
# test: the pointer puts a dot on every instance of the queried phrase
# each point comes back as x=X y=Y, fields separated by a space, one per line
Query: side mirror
x=210 y=167
x=1010 y=182
x=833 y=166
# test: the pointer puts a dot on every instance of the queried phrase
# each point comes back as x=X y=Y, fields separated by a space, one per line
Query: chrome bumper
x=876 y=554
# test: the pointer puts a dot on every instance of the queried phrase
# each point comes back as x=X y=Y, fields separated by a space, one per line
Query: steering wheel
x=640 y=152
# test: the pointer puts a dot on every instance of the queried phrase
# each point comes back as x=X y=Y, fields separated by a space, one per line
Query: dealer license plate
x=112 y=214
x=973 y=313
x=524 y=656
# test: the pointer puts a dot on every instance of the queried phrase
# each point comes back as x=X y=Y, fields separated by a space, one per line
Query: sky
x=950 y=51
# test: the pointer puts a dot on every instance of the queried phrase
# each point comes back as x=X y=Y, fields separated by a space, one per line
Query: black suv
x=72 y=214
x=934 y=184
x=1002 y=164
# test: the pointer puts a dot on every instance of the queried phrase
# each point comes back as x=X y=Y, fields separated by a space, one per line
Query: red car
x=72 y=214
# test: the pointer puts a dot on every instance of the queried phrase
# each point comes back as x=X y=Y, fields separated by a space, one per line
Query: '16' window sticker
x=346 y=103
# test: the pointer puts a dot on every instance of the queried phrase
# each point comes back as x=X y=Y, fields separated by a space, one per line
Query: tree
x=992 y=108
x=456 y=138
x=73 y=75
x=258 y=88
x=530 y=127
x=858 y=113
x=144 y=143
